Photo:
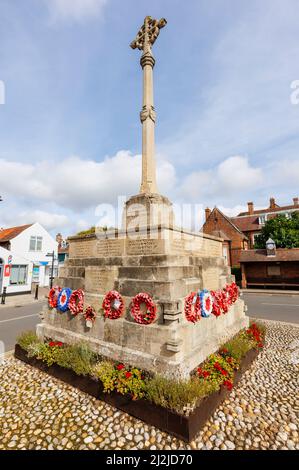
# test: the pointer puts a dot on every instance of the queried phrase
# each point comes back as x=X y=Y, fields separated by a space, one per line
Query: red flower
x=206 y=374
x=54 y=344
x=224 y=372
x=128 y=375
x=217 y=366
x=120 y=367
x=199 y=371
x=224 y=351
x=228 y=384
x=260 y=345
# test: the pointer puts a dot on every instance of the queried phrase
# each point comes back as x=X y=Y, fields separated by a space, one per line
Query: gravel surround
x=262 y=412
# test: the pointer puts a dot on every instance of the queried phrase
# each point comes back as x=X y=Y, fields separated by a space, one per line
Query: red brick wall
x=216 y=221
x=289 y=272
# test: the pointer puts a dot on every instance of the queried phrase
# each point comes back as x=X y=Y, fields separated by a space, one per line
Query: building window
x=18 y=275
x=263 y=219
x=225 y=253
x=35 y=243
x=35 y=274
x=273 y=270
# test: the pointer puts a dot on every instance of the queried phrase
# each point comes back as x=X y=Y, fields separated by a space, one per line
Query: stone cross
x=144 y=41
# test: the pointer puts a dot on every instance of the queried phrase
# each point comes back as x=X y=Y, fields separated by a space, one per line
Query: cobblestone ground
x=39 y=412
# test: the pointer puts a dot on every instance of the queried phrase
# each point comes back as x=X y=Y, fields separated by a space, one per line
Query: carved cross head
x=148 y=33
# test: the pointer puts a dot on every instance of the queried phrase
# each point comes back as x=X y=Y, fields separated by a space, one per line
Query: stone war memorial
x=147 y=282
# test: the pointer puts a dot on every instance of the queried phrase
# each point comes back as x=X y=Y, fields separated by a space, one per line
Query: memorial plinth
x=149 y=254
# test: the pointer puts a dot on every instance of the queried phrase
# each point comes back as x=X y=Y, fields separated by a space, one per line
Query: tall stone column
x=144 y=41
x=148 y=121
x=148 y=208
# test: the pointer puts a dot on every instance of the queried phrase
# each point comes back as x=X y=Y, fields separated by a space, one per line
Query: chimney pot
x=250 y=207
x=208 y=213
x=272 y=203
x=296 y=201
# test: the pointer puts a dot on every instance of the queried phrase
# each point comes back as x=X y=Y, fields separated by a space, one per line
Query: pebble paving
x=262 y=412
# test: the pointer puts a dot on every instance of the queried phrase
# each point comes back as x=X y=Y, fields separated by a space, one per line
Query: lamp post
x=271 y=247
x=51 y=255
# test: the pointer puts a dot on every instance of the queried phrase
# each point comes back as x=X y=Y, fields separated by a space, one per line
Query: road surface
x=15 y=320
x=284 y=307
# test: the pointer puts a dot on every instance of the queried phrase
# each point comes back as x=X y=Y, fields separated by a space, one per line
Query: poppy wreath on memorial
x=223 y=301
x=113 y=305
x=53 y=296
x=151 y=309
x=216 y=303
x=63 y=299
x=90 y=314
x=234 y=292
x=193 y=307
x=206 y=302
x=76 y=302
x=228 y=292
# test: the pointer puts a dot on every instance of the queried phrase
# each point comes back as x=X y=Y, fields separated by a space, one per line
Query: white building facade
x=27 y=258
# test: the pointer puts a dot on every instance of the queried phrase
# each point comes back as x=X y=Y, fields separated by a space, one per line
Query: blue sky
x=70 y=136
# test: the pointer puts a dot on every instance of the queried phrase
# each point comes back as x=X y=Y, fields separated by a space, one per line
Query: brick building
x=275 y=270
x=252 y=221
x=239 y=232
x=234 y=240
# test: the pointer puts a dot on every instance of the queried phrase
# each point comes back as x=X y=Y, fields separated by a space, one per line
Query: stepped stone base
x=173 y=350
x=168 y=264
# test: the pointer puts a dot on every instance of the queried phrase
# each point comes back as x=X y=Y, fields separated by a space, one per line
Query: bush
x=78 y=357
x=177 y=395
x=26 y=339
x=126 y=381
x=239 y=346
x=44 y=352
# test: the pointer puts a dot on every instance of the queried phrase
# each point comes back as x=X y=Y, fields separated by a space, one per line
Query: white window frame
x=37 y=241
x=19 y=283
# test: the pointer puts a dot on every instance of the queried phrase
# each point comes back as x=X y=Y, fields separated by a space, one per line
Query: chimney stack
x=59 y=238
x=296 y=201
x=250 y=208
x=208 y=213
x=272 y=203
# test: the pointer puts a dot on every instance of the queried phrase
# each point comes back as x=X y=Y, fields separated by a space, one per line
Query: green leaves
x=283 y=230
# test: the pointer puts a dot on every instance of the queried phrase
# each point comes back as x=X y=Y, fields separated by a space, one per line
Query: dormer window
x=262 y=219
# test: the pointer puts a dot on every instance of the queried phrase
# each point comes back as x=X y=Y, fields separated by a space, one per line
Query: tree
x=283 y=230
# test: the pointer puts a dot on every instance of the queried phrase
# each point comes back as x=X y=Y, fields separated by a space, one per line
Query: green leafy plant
x=44 y=352
x=126 y=381
x=26 y=339
x=283 y=230
x=239 y=346
x=78 y=357
x=105 y=372
x=178 y=395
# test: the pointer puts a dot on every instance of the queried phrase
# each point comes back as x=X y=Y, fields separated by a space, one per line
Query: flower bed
x=180 y=408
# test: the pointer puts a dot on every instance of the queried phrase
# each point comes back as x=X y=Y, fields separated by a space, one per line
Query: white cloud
x=49 y=220
x=229 y=179
x=77 y=184
x=75 y=10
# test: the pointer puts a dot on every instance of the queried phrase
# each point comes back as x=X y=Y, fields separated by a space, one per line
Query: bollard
x=3 y=296
x=36 y=292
